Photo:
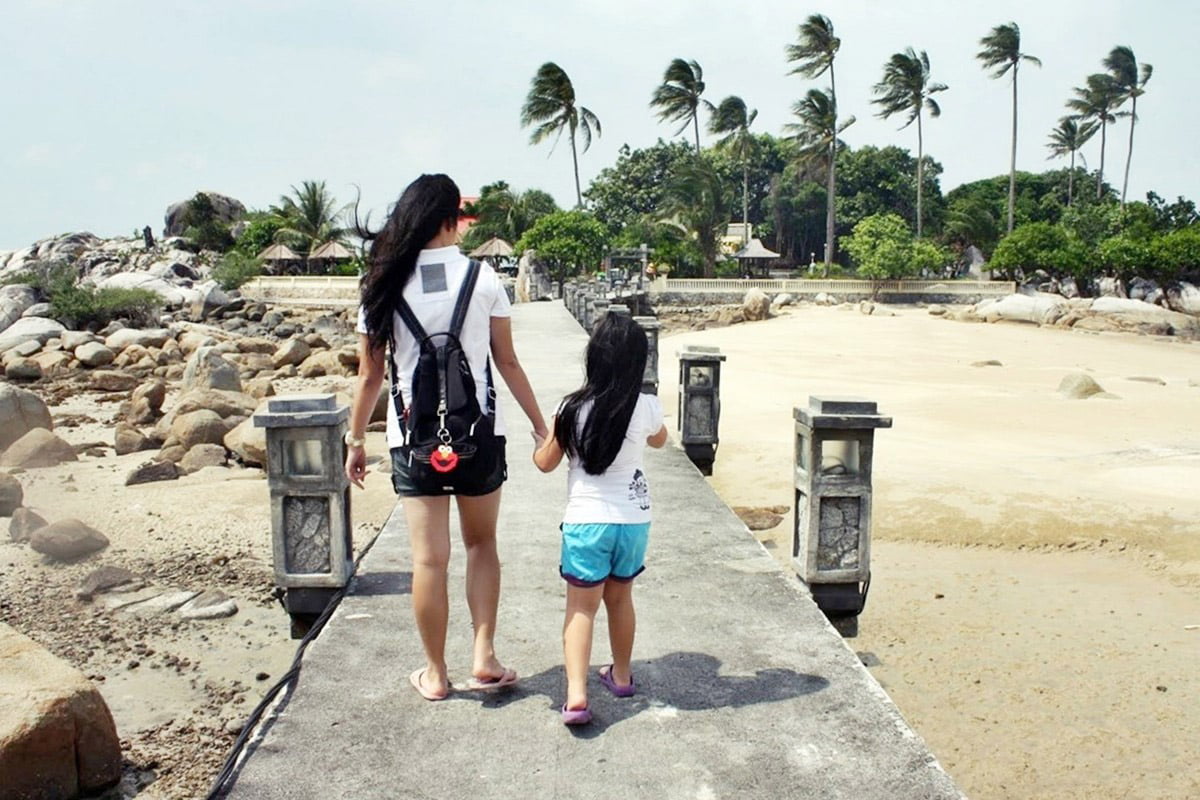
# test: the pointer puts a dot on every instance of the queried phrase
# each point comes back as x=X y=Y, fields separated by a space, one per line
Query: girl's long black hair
x=426 y=205
x=616 y=361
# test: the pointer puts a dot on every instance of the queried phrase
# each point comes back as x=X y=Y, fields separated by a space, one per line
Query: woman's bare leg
x=622 y=623
x=582 y=603
x=429 y=530
x=478 y=517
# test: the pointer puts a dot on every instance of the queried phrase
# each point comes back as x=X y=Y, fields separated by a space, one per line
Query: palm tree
x=695 y=202
x=1097 y=101
x=1066 y=139
x=677 y=98
x=817 y=135
x=906 y=87
x=309 y=217
x=551 y=106
x=1002 y=52
x=1123 y=67
x=732 y=121
x=813 y=53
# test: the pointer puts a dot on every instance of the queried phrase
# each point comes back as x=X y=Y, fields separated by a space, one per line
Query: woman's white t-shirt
x=431 y=293
x=621 y=494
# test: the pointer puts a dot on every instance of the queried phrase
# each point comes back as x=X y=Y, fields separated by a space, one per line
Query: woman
x=416 y=254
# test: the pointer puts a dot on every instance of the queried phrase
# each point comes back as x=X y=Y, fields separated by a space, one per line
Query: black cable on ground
x=235 y=752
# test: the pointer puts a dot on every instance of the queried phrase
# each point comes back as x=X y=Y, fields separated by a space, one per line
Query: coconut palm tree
x=814 y=53
x=1132 y=80
x=732 y=120
x=309 y=217
x=677 y=98
x=1097 y=101
x=1002 y=52
x=1066 y=139
x=551 y=106
x=817 y=133
x=906 y=88
x=695 y=202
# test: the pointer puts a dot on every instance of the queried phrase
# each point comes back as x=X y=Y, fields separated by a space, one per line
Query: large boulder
x=206 y=369
x=1184 y=299
x=320 y=363
x=67 y=540
x=198 y=427
x=248 y=443
x=11 y=494
x=38 y=448
x=1040 y=309
x=223 y=404
x=38 y=329
x=145 y=404
x=756 y=305
x=94 y=354
x=1139 y=311
x=107 y=380
x=57 y=736
x=201 y=456
x=14 y=302
x=23 y=524
x=128 y=439
x=153 y=337
x=20 y=412
x=293 y=351
x=226 y=210
x=23 y=369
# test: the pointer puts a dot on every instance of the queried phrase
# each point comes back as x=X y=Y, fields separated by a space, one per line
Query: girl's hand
x=356 y=465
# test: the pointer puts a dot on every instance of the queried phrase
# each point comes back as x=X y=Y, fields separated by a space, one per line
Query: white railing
x=331 y=288
x=833 y=286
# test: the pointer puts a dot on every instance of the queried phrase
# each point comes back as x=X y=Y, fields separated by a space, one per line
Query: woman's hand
x=356 y=465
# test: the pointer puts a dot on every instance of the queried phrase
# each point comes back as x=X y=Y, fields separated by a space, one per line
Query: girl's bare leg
x=582 y=603
x=622 y=623
x=478 y=516
x=429 y=531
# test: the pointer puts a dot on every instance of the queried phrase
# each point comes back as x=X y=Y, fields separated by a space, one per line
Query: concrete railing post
x=310 y=502
x=700 y=404
x=831 y=541
x=651 y=327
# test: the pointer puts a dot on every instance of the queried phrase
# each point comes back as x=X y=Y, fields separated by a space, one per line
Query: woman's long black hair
x=616 y=361
x=426 y=205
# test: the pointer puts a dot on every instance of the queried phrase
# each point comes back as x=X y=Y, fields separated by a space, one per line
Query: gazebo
x=279 y=256
x=493 y=250
x=331 y=251
x=753 y=254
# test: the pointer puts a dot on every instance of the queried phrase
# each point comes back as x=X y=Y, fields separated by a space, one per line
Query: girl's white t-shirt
x=621 y=494
x=431 y=293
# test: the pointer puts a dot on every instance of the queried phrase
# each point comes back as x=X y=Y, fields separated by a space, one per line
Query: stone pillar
x=598 y=310
x=650 y=379
x=310 y=502
x=700 y=404
x=831 y=541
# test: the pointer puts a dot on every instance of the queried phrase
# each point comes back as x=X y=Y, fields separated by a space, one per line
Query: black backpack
x=449 y=441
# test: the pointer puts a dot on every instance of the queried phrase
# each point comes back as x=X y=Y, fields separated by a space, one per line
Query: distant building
x=733 y=239
x=464 y=221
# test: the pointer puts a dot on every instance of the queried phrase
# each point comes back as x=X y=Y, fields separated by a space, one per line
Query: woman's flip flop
x=415 y=680
x=607 y=681
x=509 y=678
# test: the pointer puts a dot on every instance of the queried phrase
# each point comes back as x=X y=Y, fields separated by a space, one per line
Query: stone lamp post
x=651 y=326
x=831 y=542
x=310 y=502
x=700 y=404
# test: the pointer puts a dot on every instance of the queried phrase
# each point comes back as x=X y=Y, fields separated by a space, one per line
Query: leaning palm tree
x=1124 y=68
x=695 y=202
x=1002 y=52
x=906 y=87
x=1066 y=139
x=677 y=98
x=309 y=217
x=817 y=133
x=814 y=53
x=1097 y=102
x=551 y=106
x=732 y=120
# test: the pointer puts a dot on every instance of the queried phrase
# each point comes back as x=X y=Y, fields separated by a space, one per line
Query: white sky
x=111 y=110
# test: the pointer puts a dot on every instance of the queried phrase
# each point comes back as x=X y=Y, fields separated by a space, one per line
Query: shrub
x=259 y=233
x=203 y=228
x=1176 y=255
x=1124 y=256
x=1040 y=245
x=881 y=246
x=85 y=307
x=930 y=259
x=234 y=269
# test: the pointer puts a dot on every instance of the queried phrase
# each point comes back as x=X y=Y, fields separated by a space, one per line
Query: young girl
x=602 y=428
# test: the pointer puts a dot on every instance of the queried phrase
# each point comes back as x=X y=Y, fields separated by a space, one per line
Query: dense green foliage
x=236 y=268
x=568 y=242
x=85 y=307
x=883 y=247
x=308 y=218
x=202 y=226
x=505 y=213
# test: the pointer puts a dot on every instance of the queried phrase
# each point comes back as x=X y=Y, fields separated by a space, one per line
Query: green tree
x=816 y=134
x=1001 y=53
x=1131 y=79
x=259 y=233
x=732 y=120
x=971 y=221
x=878 y=180
x=568 y=242
x=1172 y=216
x=1039 y=246
x=550 y=105
x=796 y=207
x=906 y=88
x=696 y=203
x=202 y=227
x=678 y=99
x=1124 y=256
x=1070 y=135
x=504 y=213
x=813 y=53
x=1097 y=102
x=309 y=218
x=1177 y=255
x=635 y=185
x=882 y=247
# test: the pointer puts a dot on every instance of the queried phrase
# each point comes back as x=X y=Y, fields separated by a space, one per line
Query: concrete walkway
x=744 y=689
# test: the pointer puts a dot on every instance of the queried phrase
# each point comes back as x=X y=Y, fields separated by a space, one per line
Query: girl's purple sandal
x=576 y=716
x=606 y=680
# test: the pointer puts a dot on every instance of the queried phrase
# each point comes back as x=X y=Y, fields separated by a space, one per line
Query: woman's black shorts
x=404 y=488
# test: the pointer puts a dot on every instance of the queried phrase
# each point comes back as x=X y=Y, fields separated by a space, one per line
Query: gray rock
x=201 y=456
x=206 y=369
x=152 y=471
x=101 y=580
x=20 y=412
x=39 y=329
x=170 y=294
x=37 y=310
x=293 y=351
x=23 y=369
x=258 y=388
x=73 y=340
x=223 y=404
x=113 y=381
x=14 y=301
x=160 y=604
x=756 y=305
x=67 y=540
x=23 y=525
x=198 y=427
x=227 y=210
x=94 y=354
x=782 y=299
x=248 y=443
x=11 y=494
x=26 y=349
x=1078 y=386
x=38 y=448
x=120 y=339
x=213 y=604
x=128 y=439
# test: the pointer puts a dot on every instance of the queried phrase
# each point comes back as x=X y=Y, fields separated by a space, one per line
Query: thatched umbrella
x=334 y=251
x=753 y=253
x=494 y=247
x=278 y=252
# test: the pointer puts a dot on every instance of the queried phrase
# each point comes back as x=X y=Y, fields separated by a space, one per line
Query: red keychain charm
x=443 y=459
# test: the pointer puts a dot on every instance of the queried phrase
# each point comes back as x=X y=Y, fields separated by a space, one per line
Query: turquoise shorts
x=593 y=553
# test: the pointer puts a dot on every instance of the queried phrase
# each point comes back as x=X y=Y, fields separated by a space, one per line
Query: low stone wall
x=693 y=299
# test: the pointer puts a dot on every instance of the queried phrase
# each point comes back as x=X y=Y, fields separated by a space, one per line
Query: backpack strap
x=464 y=298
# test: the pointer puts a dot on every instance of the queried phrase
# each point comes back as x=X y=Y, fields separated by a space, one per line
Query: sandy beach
x=1035 y=559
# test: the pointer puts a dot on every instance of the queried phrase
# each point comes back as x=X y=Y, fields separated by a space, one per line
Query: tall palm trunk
x=696 y=128
x=1071 y=180
x=745 y=201
x=1129 y=156
x=831 y=188
x=1012 y=162
x=1103 y=142
x=920 y=171
x=575 y=160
